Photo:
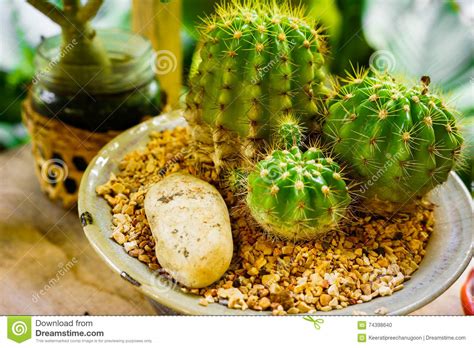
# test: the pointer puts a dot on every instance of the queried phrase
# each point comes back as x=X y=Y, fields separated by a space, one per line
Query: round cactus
x=289 y=133
x=257 y=63
x=399 y=142
x=295 y=195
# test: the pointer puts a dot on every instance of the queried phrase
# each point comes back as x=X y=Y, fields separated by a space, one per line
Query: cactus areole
x=297 y=196
x=399 y=142
x=257 y=63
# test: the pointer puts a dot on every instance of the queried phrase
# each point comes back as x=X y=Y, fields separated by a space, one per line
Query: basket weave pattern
x=61 y=152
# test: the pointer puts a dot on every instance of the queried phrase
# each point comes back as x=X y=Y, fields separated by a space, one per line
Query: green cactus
x=295 y=195
x=257 y=64
x=289 y=133
x=399 y=142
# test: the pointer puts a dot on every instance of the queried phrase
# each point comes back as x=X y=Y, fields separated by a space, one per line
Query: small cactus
x=258 y=62
x=399 y=142
x=235 y=180
x=295 y=195
x=289 y=133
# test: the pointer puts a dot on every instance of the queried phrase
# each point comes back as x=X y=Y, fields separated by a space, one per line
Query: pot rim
x=188 y=303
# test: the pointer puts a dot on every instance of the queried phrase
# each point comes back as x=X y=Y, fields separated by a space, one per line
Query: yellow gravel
x=364 y=258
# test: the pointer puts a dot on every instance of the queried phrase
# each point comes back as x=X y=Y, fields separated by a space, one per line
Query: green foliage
x=350 y=46
x=12 y=135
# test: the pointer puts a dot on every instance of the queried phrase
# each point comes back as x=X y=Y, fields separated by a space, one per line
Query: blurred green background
x=405 y=37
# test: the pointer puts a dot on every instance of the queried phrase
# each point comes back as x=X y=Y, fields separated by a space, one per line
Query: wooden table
x=48 y=267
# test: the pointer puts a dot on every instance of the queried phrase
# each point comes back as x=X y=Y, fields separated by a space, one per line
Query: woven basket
x=61 y=153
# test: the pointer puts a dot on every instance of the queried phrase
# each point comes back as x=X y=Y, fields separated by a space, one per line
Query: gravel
x=366 y=257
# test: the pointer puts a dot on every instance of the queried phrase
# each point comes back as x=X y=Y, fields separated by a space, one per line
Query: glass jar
x=95 y=98
x=74 y=110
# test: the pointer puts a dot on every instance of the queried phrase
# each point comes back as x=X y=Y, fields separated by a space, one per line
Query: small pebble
x=264 y=303
x=325 y=299
x=119 y=237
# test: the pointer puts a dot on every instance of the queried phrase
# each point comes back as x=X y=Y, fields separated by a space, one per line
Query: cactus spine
x=258 y=63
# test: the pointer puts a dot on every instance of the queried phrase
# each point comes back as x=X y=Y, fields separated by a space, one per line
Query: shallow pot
x=448 y=252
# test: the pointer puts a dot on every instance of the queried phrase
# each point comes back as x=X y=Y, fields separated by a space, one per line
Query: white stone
x=190 y=222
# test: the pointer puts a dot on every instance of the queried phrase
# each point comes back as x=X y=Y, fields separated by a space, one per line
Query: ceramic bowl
x=448 y=253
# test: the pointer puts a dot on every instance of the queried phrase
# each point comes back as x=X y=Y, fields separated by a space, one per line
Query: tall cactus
x=257 y=63
x=399 y=142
